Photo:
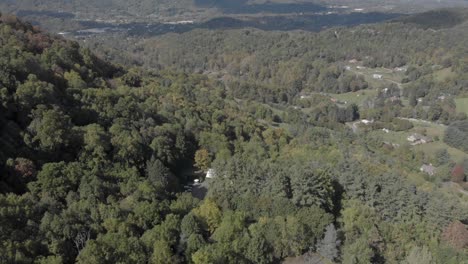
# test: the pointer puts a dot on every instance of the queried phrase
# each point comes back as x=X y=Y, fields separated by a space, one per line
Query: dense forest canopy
x=236 y=146
x=281 y=67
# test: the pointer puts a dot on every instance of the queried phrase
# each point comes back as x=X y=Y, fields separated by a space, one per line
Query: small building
x=353 y=61
x=366 y=122
x=348 y=68
x=412 y=138
x=428 y=169
x=401 y=69
x=386 y=130
x=416 y=139
x=210 y=174
x=377 y=76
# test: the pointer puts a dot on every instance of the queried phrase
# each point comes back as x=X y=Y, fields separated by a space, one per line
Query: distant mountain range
x=183 y=15
x=168 y=8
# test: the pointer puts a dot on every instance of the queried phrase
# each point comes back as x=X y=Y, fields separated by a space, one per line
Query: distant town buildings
x=182 y=22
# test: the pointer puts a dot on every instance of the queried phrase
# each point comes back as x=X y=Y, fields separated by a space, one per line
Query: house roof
x=429 y=169
x=416 y=136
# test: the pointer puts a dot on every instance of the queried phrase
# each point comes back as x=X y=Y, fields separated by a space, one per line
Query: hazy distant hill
x=436 y=19
x=178 y=7
x=106 y=164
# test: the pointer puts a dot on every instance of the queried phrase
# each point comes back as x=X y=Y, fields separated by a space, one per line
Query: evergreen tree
x=159 y=175
x=328 y=246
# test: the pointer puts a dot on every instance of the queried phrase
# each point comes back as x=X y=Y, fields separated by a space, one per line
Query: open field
x=462 y=105
x=443 y=74
x=356 y=97
x=431 y=148
x=392 y=136
x=433 y=130
x=388 y=76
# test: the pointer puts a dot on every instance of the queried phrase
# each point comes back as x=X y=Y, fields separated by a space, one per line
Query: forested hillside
x=280 y=67
x=101 y=163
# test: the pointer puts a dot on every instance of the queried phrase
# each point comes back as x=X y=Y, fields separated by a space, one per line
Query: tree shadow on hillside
x=241 y=7
x=304 y=22
x=268 y=23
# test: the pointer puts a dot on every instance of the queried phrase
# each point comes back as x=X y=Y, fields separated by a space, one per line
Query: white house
x=366 y=122
x=210 y=174
x=429 y=169
x=401 y=69
x=416 y=139
x=377 y=76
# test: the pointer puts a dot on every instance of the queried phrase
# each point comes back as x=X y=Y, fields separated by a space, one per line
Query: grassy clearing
x=444 y=74
x=356 y=97
x=434 y=131
x=392 y=136
x=462 y=105
x=411 y=171
x=400 y=137
x=388 y=75
x=431 y=148
x=430 y=129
